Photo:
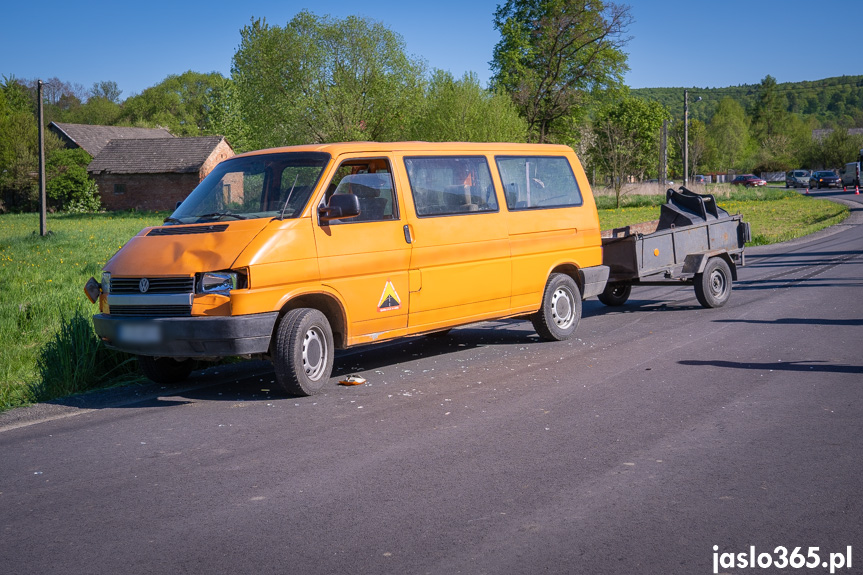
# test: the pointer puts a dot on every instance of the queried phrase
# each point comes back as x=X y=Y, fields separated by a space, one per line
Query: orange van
x=292 y=253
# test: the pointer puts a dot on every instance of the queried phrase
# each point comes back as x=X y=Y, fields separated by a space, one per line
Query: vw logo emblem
x=144 y=285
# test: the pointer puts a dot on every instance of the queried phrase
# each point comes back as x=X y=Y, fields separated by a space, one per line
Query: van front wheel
x=303 y=351
x=560 y=313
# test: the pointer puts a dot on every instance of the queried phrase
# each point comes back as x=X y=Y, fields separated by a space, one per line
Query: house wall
x=144 y=191
x=221 y=152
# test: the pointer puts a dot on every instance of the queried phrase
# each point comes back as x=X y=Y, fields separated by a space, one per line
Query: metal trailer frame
x=645 y=255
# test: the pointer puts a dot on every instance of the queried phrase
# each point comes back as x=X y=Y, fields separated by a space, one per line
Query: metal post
x=685 y=137
x=43 y=224
x=663 y=154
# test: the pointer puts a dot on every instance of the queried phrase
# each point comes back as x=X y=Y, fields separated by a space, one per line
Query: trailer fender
x=695 y=263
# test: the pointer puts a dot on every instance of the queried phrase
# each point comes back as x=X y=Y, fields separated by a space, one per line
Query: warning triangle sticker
x=389 y=298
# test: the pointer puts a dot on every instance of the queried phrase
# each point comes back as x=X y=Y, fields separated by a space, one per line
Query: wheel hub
x=314 y=353
x=562 y=308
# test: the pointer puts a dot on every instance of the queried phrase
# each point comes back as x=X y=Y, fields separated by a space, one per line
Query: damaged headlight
x=220 y=282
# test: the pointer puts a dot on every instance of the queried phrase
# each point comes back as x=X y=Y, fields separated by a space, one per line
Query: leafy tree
x=553 y=52
x=109 y=90
x=769 y=113
x=836 y=149
x=98 y=111
x=728 y=134
x=224 y=116
x=69 y=186
x=461 y=110
x=18 y=147
x=179 y=103
x=321 y=79
x=626 y=140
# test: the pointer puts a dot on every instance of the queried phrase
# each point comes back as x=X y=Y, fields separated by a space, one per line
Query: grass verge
x=41 y=286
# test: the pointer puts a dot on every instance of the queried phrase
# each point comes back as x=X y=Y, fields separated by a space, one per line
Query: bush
x=75 y=360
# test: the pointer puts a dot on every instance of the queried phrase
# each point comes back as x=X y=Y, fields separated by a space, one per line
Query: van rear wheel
x=303 y=351
x=560 y=313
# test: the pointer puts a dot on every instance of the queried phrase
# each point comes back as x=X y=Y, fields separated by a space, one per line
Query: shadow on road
x=804 y=365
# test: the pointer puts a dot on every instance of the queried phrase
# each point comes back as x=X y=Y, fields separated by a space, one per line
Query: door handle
x=408 y=237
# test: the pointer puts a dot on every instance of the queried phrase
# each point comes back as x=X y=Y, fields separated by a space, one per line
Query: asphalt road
x=662 y=431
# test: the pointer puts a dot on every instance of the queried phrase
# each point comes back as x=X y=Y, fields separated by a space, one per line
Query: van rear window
x=537 y=182
x=451 y=185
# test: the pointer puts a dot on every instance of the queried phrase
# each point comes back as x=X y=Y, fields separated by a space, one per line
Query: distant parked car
x=797 y=179
x=825 y=179
x=699 y=179
x=748 y=180
x=850 y=174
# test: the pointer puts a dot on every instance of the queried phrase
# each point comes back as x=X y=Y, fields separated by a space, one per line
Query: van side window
x=372 y=182
x=451 y=185
x=538 y=182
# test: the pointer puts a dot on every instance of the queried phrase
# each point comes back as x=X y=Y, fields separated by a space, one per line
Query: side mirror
x=340 y=206
x=178 y=204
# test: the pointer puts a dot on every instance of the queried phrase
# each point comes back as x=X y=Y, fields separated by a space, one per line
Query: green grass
x=48 y=351
x=42 y=281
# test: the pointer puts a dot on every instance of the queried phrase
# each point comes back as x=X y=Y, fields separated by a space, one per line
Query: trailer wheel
x=558 y=317
x=165 y=369
x=303 y=351
x=713 y=286
x=615 y=294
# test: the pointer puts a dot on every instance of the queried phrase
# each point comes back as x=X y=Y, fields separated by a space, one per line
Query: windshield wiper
x=222 y=215
x=172 y=220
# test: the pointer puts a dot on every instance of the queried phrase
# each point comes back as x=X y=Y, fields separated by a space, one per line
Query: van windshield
x=262 y=186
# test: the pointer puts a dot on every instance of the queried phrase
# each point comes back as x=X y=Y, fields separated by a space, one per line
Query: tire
x=165 y=369
x=560 y=313
x=615 y=294
x=303 y=352
x=713 y=286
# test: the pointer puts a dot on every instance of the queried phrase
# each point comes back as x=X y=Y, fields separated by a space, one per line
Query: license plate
x=139 y=333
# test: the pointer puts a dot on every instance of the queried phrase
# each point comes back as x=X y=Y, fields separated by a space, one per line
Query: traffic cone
x=857 y=190
x=807 y=190
x=844 y=188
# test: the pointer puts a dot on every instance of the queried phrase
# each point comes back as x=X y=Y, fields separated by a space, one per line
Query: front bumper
x=198 y=336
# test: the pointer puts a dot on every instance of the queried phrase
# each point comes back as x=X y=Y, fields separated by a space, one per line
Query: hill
x=832 y=102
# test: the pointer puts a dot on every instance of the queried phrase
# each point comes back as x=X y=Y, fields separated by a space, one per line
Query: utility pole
x=663 y=154
x=43 y=224
x=685 y=137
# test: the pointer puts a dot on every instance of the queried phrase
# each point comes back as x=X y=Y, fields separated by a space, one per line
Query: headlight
x=106 y=282
x=216 y=282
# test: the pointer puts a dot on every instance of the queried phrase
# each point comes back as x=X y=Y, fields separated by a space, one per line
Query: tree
x=179 y=103
x=69 y=187
x=321 y=79
x=553 y=52
x=698 y=147
x=626 y=140
x=728 y=134
x=109 y=90
x=836 y=149
x=18 y=147
x=461 y=110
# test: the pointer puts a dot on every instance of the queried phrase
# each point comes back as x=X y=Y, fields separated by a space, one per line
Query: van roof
x=344 y=147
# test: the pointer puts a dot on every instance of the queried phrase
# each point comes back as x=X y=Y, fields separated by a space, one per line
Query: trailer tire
x=560 y=313
x=303 y=351
x=713 y=286
x=615 y=294
x=165 y=370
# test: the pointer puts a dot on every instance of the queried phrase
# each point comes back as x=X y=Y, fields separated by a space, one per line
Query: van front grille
x=154 y=285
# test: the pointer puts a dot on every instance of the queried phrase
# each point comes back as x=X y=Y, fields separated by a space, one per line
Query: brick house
x=154 y=173
x=93 y=138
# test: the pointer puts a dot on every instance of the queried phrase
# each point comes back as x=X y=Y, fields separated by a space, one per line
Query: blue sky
x=674 y=43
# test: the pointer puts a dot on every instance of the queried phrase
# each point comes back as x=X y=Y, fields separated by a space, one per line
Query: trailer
x=693 y=242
